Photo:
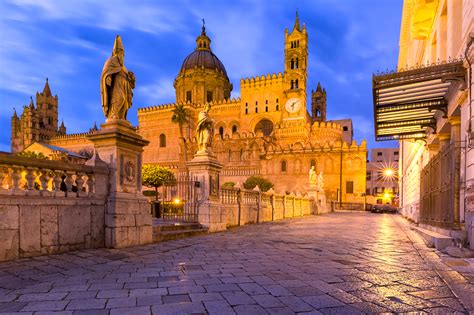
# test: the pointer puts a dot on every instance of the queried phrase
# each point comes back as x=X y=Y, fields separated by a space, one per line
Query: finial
x=203 y=27
x=14 y=113
x=118 y=46
x=46 y=79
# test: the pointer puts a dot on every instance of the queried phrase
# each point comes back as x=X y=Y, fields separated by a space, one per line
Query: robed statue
x=320 y=181
x=116 y=84
x=204 y=130
x=313 y=177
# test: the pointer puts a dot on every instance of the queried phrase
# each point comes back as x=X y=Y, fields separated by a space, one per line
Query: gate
x=439 y=189
x=179 y=200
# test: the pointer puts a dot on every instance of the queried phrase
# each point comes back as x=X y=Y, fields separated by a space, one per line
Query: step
x=173 y=235
x=177 y=227
x=434 y=239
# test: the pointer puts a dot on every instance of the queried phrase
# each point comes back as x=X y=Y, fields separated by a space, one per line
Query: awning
x=405 y=102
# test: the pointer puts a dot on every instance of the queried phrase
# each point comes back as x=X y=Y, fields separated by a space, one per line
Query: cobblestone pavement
x=347 y=263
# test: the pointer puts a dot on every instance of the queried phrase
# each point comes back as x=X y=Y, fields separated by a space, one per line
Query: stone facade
x=267 y=131
x=434 y=32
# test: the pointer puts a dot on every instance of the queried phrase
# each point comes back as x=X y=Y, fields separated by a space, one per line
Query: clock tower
x=296 y=62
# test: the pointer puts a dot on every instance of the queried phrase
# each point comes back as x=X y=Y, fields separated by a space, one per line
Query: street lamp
x=388 y=172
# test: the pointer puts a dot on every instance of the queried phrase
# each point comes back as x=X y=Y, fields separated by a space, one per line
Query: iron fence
x=179 y=200
x=439 y=188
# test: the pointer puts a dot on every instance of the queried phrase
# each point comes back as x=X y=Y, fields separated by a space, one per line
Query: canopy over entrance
x=405 y=102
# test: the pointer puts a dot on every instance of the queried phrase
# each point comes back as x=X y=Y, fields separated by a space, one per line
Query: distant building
x=382 y=176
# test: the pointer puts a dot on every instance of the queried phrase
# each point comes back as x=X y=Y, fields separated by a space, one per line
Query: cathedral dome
x=203 y=58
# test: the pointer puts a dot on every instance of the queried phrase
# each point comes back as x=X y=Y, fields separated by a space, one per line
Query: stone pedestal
x=206 y=169
x=319 y=197
x=128 y=220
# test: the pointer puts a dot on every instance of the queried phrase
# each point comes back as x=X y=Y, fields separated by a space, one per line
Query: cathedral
x=267 y=131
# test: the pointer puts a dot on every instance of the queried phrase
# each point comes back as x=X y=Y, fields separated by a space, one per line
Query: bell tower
x=318 y=103
x=296 y=61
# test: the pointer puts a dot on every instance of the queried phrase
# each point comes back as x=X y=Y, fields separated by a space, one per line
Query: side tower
x=318 y=103
x=47 y=109
x=296 y=61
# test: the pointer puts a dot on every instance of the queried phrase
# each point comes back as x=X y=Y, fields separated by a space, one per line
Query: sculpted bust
x=116 y=84
x=204 y=130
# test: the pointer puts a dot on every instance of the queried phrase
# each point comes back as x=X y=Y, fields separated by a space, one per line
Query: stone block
x=97 y=226
x=116 y=237
x=9 y=248
x=119 y=220
x=49 y=226
x=133 y=236
x=74 y=224
x=9 y=217
x=146 y=234
x=143 y=219
x=30 y=231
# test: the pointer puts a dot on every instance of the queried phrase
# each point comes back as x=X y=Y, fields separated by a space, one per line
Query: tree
x=32 y=154
x=181 y=117
x=156 y=176
x=263 y=183
x=228 y=185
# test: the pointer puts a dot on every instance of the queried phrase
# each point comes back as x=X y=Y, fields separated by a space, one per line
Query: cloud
x=158 y=92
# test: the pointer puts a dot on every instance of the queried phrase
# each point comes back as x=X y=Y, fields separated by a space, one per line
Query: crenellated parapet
x=262 y=80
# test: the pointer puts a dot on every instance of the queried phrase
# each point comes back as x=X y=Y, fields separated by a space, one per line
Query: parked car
x=387 y=208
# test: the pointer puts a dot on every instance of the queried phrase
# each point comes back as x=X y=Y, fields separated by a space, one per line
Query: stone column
x=433 y=149
x=206 y=169
x=128 y=221
x=444 y=140
x=455 y=122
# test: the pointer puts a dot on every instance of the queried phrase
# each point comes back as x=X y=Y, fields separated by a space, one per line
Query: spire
x=62 y=124
x=203 y=31
x=318 y=89
x=46 y=89
x=297 y=22
x=118 y=46
x=14 y=113
x=32 y=105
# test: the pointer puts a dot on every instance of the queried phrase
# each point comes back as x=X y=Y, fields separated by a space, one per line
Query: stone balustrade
x=21 y=176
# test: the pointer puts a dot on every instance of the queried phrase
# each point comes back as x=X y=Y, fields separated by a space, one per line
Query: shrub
x=263 y=183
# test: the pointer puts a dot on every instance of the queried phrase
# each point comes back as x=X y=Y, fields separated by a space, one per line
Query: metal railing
x=439 y=189
x=179 y=200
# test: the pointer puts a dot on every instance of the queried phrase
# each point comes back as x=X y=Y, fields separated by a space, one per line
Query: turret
x=318 y=103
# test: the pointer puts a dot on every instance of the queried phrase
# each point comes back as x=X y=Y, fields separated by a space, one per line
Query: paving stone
x=218 y=307
x=277 y=290
x=267 y=300
x=222 y=287
x=12 y=307
x=280 y=311
x=178 y=308
x=249 y=309
x=322 y=301
x=142 y=310
x=81 y=295
x=252 y=288
x=86 y=304
x=45 y=306
x=296 y=304
x=41 y=297
x=121 y=302
x=178 y=298
x=237 y=298
x=91 y=312
x=145 y=292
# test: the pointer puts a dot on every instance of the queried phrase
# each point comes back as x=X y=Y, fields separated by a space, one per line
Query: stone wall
x=49 y=207
x=256 y=206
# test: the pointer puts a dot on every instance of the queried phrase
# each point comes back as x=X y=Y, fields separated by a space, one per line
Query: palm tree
x=181 y=117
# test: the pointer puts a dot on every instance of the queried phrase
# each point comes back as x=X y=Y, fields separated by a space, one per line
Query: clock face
x=293 y=105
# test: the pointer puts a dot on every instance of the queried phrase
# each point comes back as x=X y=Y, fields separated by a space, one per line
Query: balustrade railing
x=36 y=177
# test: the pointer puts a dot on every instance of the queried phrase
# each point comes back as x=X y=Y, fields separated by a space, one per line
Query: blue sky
x=68 y=42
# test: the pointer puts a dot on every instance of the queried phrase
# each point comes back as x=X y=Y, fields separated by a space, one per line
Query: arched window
x=312 y=163
x=234 y=128
x=296 y=63
x=283 y=166
x=246 y=108
x=162 y=141
x=296 y=83
x=221 y=131
x=292 y=84
x=292 y=64
x=264 y=125
x=345 y=128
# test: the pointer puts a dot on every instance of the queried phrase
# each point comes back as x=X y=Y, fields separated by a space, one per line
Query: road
x=332 y=264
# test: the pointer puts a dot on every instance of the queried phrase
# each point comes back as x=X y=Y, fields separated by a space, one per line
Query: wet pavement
x=343 y=263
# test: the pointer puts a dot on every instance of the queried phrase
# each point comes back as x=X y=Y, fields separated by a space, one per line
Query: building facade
x=427 y=104
x=267 y=131
x=382 y=176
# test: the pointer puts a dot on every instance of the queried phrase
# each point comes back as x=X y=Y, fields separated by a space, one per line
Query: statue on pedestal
x=313 y=178
x=116 y=84
x=204 y=130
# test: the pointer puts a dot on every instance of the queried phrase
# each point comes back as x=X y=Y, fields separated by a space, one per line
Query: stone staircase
x=165 y=231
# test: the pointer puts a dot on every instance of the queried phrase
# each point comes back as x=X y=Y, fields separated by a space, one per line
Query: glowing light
x=386 y=195
x=388 y=172
x=177 y=201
